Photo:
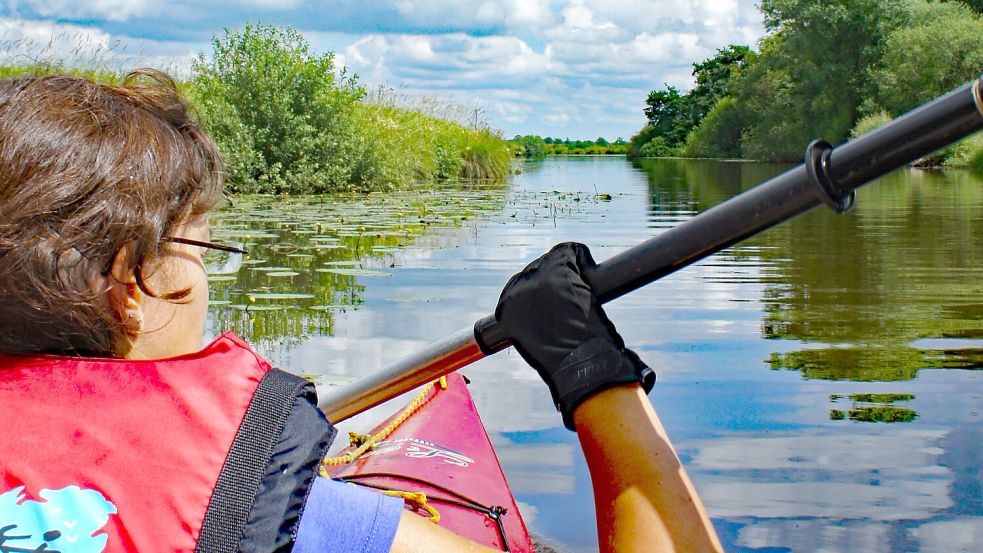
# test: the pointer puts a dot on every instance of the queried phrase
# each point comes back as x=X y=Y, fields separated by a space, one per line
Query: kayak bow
x=442 y=450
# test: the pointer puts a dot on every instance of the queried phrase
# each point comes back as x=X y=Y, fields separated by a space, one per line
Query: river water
x=821 y=381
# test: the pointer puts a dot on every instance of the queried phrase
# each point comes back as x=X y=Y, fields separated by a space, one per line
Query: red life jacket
x=117 y=455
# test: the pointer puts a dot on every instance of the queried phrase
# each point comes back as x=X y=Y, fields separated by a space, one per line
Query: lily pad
x=281 y=296
x=254 y=307
x=279 y=274
x=353 y=271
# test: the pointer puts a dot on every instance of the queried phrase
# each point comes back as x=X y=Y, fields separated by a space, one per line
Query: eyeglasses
x=219 y=259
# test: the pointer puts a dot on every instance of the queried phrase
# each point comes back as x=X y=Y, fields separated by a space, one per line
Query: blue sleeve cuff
x=343 y=517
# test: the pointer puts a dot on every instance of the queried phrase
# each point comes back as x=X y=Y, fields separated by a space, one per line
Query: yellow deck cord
x=417 y=500
x=365 y=442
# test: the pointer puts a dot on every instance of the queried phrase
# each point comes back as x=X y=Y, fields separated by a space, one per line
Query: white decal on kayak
x=416 y=448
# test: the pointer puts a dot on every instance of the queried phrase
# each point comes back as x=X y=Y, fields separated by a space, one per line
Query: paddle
x=828 y=175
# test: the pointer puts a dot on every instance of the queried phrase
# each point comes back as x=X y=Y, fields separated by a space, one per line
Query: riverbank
x=288 y=121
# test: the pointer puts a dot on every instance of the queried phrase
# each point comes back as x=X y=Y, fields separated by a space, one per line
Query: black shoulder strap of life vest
x=246 y=463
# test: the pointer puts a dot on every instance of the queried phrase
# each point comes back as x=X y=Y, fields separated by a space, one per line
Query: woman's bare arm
x=643 y=497
x=416 y=534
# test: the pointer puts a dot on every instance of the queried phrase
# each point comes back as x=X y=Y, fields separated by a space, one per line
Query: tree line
x=535 y=146
x=831 y=69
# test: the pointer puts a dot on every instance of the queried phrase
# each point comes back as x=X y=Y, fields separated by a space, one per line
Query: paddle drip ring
x=817 y=167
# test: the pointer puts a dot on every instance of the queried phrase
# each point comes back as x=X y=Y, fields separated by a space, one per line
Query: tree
x=530 y=145
x=670 y=115
x=936 y=51
x=826 y=50
x=713 y=77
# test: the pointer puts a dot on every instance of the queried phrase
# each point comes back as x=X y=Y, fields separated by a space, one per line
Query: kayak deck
x=442 y=450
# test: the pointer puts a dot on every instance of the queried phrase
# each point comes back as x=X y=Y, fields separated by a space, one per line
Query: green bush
x=966 y=153
x=264 y=86
x=937 y=50
x=649 y=143
x=287 y=122
x=719 y=133
x=870 y=122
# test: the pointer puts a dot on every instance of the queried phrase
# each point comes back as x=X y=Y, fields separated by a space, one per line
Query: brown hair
x=85 y=169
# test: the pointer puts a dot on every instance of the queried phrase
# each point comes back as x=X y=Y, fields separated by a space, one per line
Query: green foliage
x=938 y=49
x=534 y=146
x=52 y=67
x=286 y=122
x=719 y=133
x=878 y=398
x=265 y=82
x=877 y=413
x=673 y=116
x=811 y=75
x=530 y=145
x=670 y=115
x=713 y=78
x=966 y=153
x=648 y=143
x=870 y=122
x=837 y=69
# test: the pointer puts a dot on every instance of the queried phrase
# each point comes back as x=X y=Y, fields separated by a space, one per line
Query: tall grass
x=288 y=121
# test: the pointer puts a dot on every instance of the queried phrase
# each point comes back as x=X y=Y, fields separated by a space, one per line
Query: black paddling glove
x=557 y=325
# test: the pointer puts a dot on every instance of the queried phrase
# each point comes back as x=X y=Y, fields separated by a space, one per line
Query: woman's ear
x=123 y=294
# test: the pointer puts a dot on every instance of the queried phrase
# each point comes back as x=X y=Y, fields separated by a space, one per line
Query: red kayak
x=442 y=450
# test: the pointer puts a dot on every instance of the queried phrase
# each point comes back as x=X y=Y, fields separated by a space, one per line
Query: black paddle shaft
x=828 y=175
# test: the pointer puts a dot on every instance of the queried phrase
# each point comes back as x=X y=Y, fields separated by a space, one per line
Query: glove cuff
x=594 y=366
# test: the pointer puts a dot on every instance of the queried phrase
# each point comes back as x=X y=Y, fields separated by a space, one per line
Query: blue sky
x=565 y=68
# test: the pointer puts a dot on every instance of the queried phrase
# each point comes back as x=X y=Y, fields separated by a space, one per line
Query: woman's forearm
x=643 y=497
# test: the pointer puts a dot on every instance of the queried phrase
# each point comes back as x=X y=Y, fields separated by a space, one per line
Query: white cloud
x=506 y=14
x=520 y=58
x=112 y=10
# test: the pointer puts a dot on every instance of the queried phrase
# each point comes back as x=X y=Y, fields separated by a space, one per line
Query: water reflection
x=757 y=348
x=904 y=265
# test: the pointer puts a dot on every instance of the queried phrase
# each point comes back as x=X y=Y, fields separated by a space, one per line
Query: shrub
x=966 y=153
x=278 y=110
x=649 y=143
x=870 y=122
x=719 y=133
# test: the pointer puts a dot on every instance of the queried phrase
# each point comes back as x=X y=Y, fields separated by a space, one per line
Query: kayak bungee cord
x=828 y=176
x=364 y=443
x=493 y=512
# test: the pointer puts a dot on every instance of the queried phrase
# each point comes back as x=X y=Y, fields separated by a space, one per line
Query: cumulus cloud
x=480 y=15
x=112 y=10
x=521 y=59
